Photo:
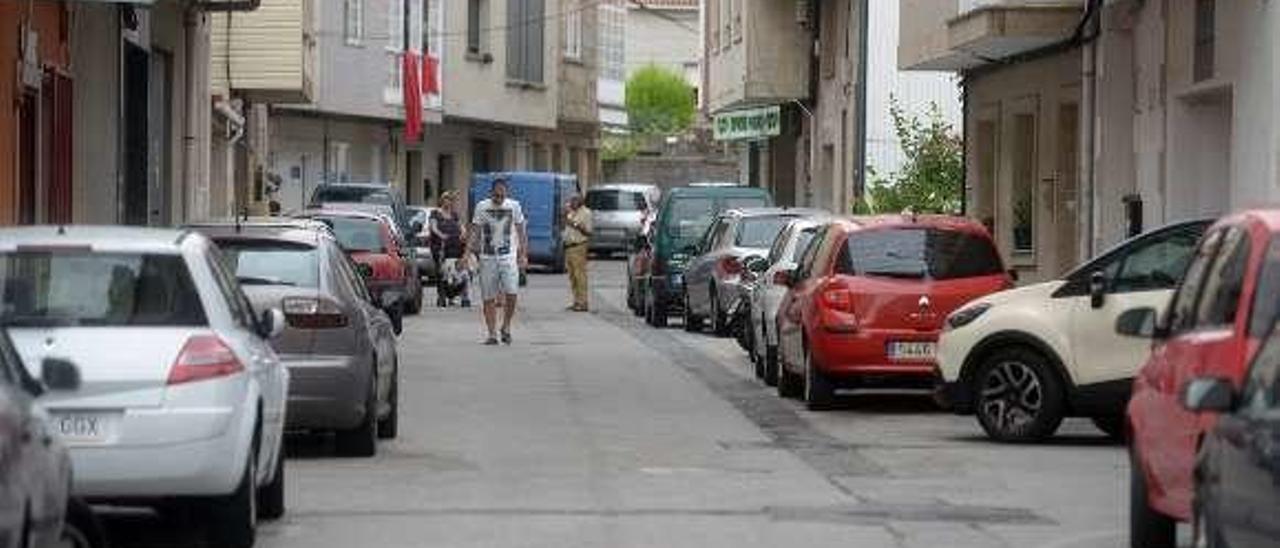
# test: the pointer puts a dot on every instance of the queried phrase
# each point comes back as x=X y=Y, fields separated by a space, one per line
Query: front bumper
x=326 y=392
x=611 y=239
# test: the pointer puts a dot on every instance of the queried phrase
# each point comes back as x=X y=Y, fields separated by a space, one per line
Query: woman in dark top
x=448 y=245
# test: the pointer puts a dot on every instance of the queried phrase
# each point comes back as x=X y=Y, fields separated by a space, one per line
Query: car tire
x=413 y=305
x=719 y=326
x=692 y=323
x=389 y=426
x=271 y=503
x=1206 y=533
x=1020 y=398
x=82 y=528
x=234 y=519
x=1147 y=527
x=770 y=365
x=757 y=363
x=655 y=309
x=1111 y=425
x=819 y=391
x=788 y=383
x=362 y=441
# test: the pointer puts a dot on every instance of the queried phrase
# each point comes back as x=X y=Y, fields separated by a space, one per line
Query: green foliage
x=618 y=148
x=659 y=101
x=931 y=179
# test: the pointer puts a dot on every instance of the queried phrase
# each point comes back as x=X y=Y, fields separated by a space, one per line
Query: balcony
x=757 y=56
x=964 y=34
x=266 y=55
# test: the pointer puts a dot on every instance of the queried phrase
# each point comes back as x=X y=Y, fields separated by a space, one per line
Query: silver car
x=618 y=214
x=767 y=294
x=339 y=346
x=428 y=267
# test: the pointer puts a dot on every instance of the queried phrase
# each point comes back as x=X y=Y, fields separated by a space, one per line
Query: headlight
x=965 y=316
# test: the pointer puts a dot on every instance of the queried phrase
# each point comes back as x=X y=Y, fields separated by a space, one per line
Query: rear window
x=760 y=231
x=83 y=288
x=357 y=234
x=802 y=243
x=272 y=262
x=615 y=200
x=919 y=253
x=1266 y=296
x=351 y=194
x=688 y=218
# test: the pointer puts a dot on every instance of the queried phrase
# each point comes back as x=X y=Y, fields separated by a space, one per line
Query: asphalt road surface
x=594 y=430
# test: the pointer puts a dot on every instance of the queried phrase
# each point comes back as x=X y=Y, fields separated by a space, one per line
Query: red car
x=868 y=300
x=370 y=241
x=1212 y=328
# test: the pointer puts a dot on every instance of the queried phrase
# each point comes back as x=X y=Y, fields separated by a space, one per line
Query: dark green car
x=683 y=217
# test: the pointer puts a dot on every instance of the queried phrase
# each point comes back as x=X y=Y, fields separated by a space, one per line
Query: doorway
x=159 y=139
x=137 y=65
x=445 y=172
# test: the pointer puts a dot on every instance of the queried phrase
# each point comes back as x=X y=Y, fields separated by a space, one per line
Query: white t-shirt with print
x=496 y=225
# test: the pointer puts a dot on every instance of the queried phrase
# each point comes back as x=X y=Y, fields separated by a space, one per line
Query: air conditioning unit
x=804 y=13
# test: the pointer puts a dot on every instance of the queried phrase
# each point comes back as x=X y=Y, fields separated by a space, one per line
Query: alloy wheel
x=1011 y=396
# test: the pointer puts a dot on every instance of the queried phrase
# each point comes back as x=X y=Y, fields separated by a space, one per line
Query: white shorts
x=498 y=276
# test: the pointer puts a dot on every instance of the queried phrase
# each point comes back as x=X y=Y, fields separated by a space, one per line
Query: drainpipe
x=964 y=146
x=192 y=106
x=864 y=23
x=1088 y=134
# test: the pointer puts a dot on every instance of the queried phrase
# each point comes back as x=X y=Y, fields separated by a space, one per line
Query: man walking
x=502 y=249
x=577 y=234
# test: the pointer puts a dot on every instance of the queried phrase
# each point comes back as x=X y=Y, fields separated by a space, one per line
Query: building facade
x=1086 y=122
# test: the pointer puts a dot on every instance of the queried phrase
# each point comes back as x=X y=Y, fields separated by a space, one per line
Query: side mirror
x=1097 y=289
x=271 y=324
x=366 y=271
x=1209 y=395
x=59 y=374
x=392 y=304
x=756 y=264
x=1137 y=322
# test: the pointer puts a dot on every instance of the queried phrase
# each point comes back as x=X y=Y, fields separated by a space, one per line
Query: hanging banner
x=750 y=123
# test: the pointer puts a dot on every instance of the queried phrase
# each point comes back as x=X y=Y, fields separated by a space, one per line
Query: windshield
x=802 y=243
x=759 y=232
x=83 y=288
x=358 y=234
x=272 y=263
x=340 y=194
x=919 y=253
x=615 y=200
x=688 y=218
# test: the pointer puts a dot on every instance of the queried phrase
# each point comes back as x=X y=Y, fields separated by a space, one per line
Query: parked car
x=428 y=268
x=406 y=244
x=713 y=278
x=1056 y=342
x=339 y=346
x=371 y=242
x=866 y=303
x=543 y=197
x=1213 y=326
x=618 y=214
x=1237 y=474
x=682 y=220
x=327 y=195
x=767 y=293
x=181 y=396
x=37 y=508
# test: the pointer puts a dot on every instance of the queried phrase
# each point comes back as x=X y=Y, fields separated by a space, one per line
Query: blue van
x=542 y=196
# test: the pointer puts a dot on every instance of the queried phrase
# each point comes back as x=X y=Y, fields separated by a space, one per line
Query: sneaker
x=491 y=341
x=506 y=338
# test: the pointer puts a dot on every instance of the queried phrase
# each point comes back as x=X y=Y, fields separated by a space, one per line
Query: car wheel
x=271 y=495
x=819 y=391
x=1111 y=425
x=389 y=426
x=757 y=361
x=1020 y=398
x=362 y=441
x=1147 y=528
x=234 y=519
x=1205 y=532
x=770 y=360
x=414 y=304
x=787 y=383
x=655 y=310
x=692 y=323
x=82 y=528
x=719 y=324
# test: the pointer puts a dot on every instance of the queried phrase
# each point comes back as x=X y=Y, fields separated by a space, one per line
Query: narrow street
x=596 y=430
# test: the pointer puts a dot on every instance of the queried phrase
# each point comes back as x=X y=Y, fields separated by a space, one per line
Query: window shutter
x=515 y=34
x=535 y=30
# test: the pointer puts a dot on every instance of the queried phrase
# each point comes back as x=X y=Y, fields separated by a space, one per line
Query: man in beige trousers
x=577 y=236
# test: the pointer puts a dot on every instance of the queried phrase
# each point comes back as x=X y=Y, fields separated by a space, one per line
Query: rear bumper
x=668 y=292
x=326 y=392
x=861 y=358
x=611 y=239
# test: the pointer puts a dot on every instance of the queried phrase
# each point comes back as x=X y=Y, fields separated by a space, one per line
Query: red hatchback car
x=1214 y=324
x=370 y=241
x=868 y=300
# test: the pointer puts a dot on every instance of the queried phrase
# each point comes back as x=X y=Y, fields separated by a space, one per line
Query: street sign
x=750 y=123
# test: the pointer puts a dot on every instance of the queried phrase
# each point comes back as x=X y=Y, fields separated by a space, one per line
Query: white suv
x=1024 y=359
x=181 y=395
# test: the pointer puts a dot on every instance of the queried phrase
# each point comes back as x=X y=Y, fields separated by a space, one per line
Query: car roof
x=632 y=187
x=107 y=237
x=295 y=230
x=952 y=222
x=775 y=212
x=716 y=191
x=1268 y=218
x=361 y=186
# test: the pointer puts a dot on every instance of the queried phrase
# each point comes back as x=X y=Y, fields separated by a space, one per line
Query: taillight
x=313 y=313
x=729 y=266
x=836 y=310
x=837 y=298
x=204 y=357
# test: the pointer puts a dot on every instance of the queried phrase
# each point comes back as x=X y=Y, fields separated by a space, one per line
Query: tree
x=931 y=179
x=659 y=101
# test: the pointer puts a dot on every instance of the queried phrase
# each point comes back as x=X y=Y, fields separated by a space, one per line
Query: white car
x=1024 y=359
x=181 y=395
x=766 y=294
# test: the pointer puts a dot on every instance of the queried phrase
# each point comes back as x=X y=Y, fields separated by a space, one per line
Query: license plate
x=85 y=428
x=912 y=350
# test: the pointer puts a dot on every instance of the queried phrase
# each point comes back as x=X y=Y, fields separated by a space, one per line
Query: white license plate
x=912 y=350
x=85 y=428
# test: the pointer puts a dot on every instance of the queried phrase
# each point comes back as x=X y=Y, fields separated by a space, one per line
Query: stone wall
x=673 y=171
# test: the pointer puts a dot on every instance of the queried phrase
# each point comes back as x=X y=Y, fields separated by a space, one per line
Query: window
x=1205 y=38
x=737 y=20
x=780 y=245
x=573 y=31
x=613 y=41
x=827 y=39
x=759 y=232
x=1266 y=297
x=272 y=262
x=1182 y=310
x=477 y=15
x=239 y=306
x=357 y=234
x=807 y=256
x=1220 y=298
x=713 y=24
x=353 y=22
x=1262 y=386
x=424 y=29
x=338 y=163
x=526 y=22
x=615 y=200
x=802 y=243
x=919 y=253
x=1023 y=144
x=1158 y=263
x=688 y=218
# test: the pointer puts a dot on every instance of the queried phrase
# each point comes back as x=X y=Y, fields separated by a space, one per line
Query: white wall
x=669 y=38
